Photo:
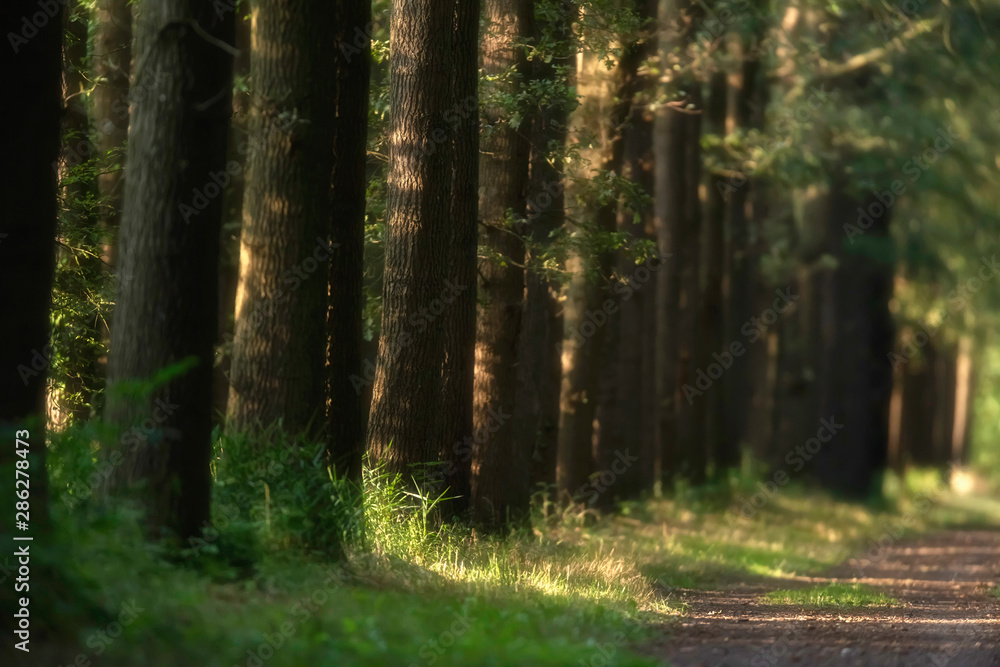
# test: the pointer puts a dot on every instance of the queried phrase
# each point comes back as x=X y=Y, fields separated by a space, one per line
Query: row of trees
x=604 y=246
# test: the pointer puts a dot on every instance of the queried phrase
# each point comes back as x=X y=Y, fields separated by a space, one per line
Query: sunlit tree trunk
x=423 y=381
x=500 y=464
x=279 y=347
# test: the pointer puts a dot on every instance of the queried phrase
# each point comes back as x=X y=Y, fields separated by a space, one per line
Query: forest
x=500 y=332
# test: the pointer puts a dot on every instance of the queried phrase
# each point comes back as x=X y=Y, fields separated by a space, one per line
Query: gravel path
x=947 y=616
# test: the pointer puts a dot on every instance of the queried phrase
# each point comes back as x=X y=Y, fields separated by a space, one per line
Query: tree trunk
x=346 y=412
x=536 y=411
x=167 y=304
x=422 y=399
x=27 y=237
x=500 y=472
x=279 y=349
x=232 y=222
x=112 y=63
x=859 y=385
x=620 y=414
x=585 y=338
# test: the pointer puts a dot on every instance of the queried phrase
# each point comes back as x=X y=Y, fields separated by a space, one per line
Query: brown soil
x=946 y=617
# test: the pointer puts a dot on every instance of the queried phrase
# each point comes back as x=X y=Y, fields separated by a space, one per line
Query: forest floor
x=720 y=577
x=945 y=611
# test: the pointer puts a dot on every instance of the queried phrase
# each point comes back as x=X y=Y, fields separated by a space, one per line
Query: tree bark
x=500 y=472
x=167 y=303
x=536 y=411
x=112 y=63
x=279 y=350
x=346 y=411
x=422 y=399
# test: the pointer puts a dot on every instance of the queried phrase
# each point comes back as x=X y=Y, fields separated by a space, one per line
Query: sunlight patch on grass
x=832 y=595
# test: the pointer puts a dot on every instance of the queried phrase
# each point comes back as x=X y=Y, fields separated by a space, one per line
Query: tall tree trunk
x=500 y=472
x=536 y=411
x=232 y=220
x=692 y=457
x=620 y=413
x=859 y=385
x=279 y=350
x=112 y=63
x=717 y=445
x=27 y=238
x=346 y=411
x=422 y=399
x=585 y=338
x=167 y=304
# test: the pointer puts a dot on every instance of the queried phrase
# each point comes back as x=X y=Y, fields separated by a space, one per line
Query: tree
x=27 y=234
x=346 y=413
x=539 y=366
x=165 y=321
x=584 y=353
x=500 y=464
x=279 y=347
x=423 y=381
x=112 y=62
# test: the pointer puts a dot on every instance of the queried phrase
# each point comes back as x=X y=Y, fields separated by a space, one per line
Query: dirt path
x=947 y=616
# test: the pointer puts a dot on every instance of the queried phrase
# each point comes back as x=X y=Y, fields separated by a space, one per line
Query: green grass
x=832 y=595
x=574 y=588
x=995 y=592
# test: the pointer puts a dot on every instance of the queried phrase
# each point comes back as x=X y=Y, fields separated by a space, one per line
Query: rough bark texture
x=346 y=411
x=500 y=472
x=167 y=303
x=112 y=61
x=422 y=399
x=279 y=348
x=27 y=237
x=536 y=415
